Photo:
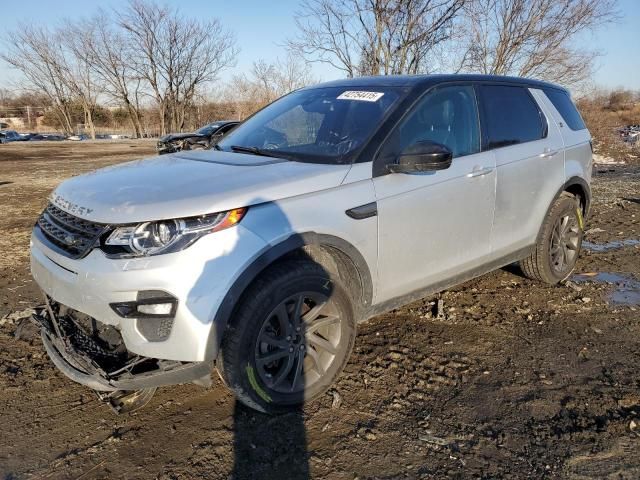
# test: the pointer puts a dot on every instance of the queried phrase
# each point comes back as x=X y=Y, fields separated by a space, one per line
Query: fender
x=586 y=189
x=293 y=242
x=573 y=181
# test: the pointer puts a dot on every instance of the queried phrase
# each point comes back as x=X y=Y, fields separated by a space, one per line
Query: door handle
x=548 y=153
x=479 y=172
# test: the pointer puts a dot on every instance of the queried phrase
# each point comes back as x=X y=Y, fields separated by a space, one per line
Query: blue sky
x=262 y=26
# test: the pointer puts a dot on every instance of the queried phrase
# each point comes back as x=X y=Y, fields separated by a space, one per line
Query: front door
x=435 y=225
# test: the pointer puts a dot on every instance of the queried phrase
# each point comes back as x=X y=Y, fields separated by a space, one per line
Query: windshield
x=206 y=130
x=320 y=125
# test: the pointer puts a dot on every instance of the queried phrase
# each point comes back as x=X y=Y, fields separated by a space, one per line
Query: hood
x=172 y=137
x=189 y=184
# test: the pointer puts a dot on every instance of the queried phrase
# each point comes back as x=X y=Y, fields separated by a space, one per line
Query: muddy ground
x=498 y=378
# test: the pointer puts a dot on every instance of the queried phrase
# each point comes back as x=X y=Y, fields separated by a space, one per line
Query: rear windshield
x=566 y=108
x=318 y=125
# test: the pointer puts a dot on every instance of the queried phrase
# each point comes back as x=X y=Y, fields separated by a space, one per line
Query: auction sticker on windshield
x=360 y=95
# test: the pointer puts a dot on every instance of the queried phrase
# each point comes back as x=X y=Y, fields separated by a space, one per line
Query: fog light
x=149 y=304
x=155 y=308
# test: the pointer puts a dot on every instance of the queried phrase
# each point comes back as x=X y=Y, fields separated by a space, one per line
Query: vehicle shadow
x=269 y=446
x=514 y=269
x=274 y=446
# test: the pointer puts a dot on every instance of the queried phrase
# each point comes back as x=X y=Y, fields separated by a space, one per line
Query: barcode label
x=360 y=96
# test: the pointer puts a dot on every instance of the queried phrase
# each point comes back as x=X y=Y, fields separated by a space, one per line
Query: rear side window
x=566 y=108
x=510 y=116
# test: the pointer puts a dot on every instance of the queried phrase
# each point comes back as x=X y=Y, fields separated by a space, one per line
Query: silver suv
x=333 y=204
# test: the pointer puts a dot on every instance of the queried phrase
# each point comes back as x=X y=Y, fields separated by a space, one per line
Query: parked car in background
x=7 y=136
x=202 y=139
x=630 y=134
x=78 y=138
x=54 y=137
x=333 y=204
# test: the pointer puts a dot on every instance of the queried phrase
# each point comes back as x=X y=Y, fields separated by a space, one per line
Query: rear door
x=529 y=164
x=435 y=225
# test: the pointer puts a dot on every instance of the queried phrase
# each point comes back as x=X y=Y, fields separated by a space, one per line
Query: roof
x=221 y=122
x=429 y=80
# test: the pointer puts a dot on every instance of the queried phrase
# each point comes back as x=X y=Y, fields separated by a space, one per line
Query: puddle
x=627 y=289
x=606 y=247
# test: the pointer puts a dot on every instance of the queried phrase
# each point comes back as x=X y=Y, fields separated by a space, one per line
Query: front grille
x=72 y=236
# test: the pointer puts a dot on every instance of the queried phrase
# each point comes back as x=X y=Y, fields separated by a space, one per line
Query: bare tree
x=37 y=53
x=532 y=38
x=53 y=62
x=262 y=82
x=266 y=82
x=77 y=74
x=373 y=37
x=175 y=55
x=292 y=73
x=105 y=50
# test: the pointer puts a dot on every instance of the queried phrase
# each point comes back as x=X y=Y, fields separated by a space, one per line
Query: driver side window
x=447 y=116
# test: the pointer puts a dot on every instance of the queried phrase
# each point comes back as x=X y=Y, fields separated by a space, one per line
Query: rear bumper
x=83 y=369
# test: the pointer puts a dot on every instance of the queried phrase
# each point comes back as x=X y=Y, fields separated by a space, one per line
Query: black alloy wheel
x=289 y=339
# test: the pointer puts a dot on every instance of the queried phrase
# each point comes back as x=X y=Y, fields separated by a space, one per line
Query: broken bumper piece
x=93 y=354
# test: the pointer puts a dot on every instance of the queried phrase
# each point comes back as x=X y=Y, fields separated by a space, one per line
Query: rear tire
x=290 y=337
x=556 y=252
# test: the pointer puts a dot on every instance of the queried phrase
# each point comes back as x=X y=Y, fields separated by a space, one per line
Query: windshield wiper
x=253 y=151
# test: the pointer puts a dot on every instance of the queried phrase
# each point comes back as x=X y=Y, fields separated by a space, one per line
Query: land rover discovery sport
x=333 y=204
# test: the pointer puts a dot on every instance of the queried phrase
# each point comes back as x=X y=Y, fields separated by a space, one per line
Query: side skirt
x=397 y=302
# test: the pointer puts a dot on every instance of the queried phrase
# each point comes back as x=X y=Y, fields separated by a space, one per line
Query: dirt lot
x=498 y=378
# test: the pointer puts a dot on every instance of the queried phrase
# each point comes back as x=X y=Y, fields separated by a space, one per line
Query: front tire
x=290 y=337
x=556 y=252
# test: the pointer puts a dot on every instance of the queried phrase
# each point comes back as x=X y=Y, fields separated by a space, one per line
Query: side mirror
x=423 y=156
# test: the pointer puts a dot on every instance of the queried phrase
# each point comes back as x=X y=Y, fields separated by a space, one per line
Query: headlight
x=165 y=236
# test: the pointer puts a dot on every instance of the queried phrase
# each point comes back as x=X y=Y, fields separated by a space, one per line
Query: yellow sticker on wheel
x=251 y=375
x=580 y=221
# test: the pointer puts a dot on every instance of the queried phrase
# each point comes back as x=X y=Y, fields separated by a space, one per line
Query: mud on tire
x=289 y=339
x=555 y=254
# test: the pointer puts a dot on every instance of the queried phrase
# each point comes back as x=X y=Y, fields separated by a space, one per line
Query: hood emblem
x=70 y=207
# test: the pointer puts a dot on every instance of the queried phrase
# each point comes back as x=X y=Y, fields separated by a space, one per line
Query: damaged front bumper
x=93 y=354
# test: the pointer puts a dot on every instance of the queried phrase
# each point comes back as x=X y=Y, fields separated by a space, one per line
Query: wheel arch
x=579 y=187
x=336 y=255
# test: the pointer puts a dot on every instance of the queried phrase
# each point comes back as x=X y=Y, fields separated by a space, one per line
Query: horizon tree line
x=148 y=54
